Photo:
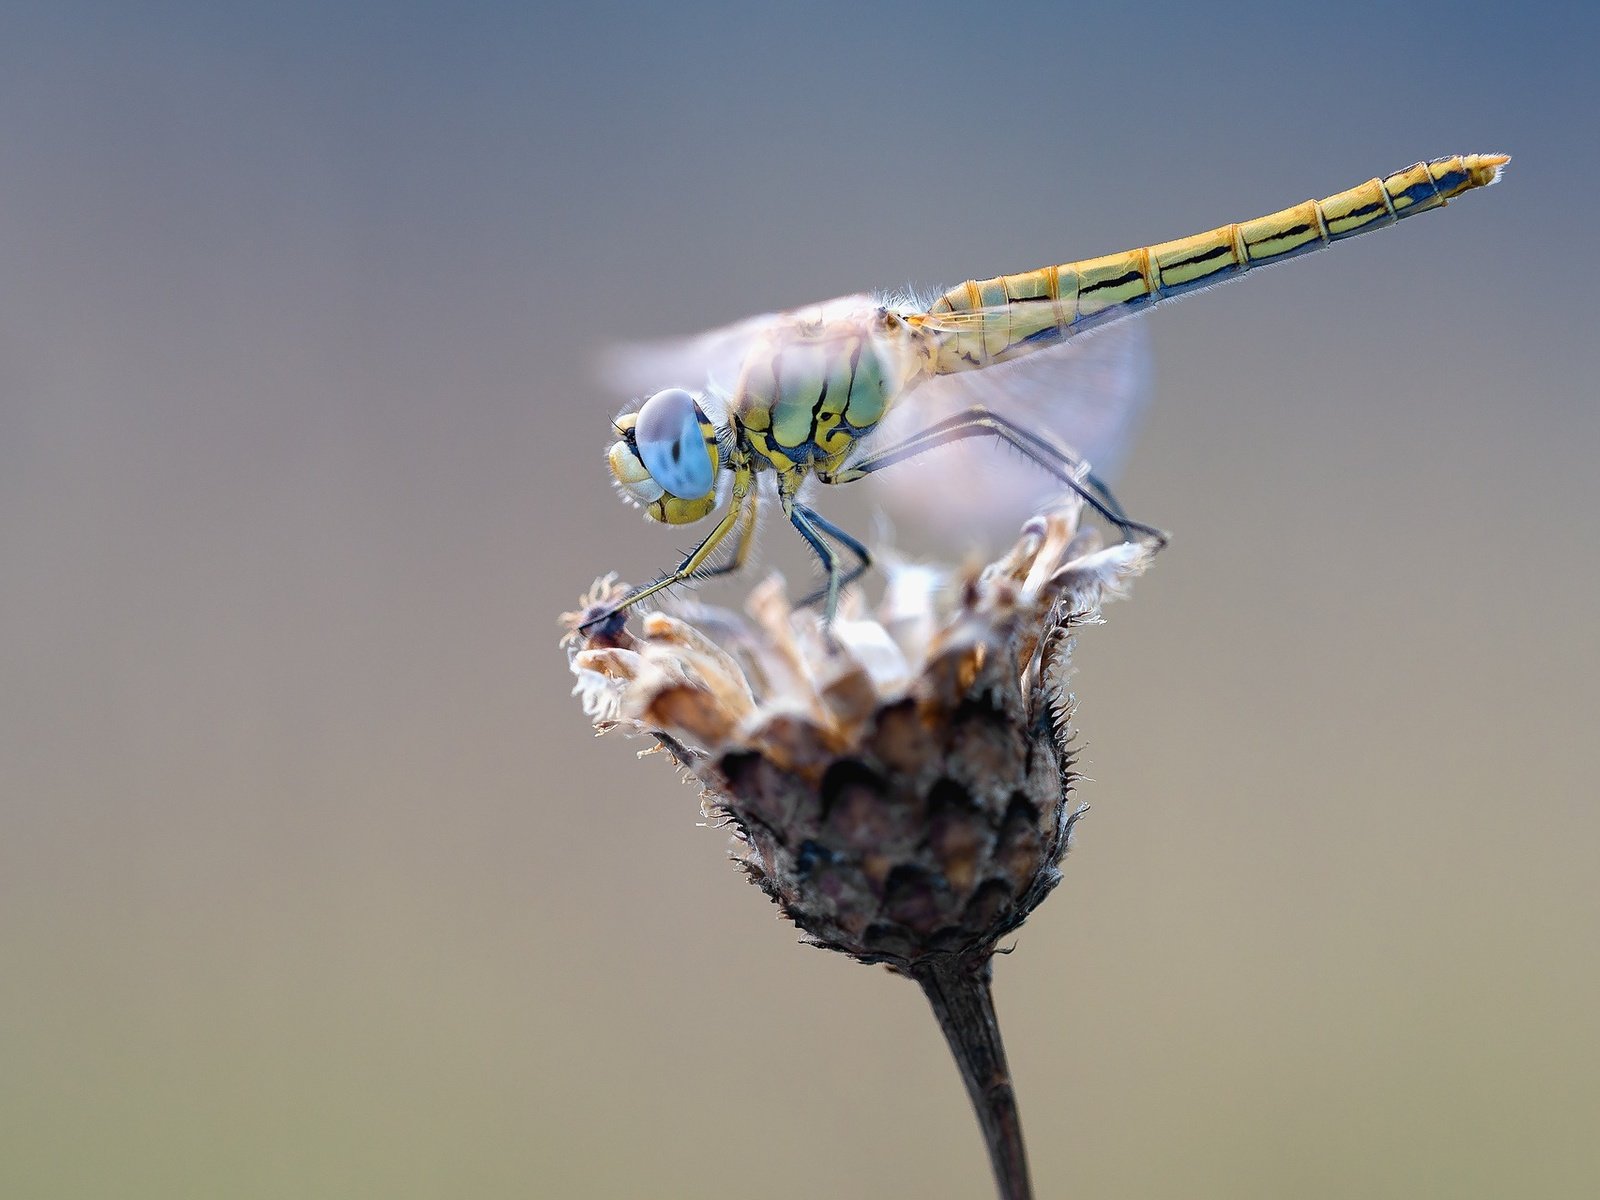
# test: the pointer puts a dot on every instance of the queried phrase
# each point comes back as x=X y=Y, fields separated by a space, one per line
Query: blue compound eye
x=672 y=445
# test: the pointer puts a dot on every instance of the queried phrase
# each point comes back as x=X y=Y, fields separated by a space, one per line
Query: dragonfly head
x=665 y=457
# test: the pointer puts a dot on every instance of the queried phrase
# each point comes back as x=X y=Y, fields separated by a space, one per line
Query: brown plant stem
x=958 y=989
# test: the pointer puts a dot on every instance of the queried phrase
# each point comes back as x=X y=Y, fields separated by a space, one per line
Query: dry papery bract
x=898 y=782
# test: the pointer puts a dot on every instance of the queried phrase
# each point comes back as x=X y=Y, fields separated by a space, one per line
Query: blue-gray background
x=312 y=882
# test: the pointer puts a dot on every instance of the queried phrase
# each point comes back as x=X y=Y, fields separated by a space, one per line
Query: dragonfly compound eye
x=626 y=468
x=675 y=443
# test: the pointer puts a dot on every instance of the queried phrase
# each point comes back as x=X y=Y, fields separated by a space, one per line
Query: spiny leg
x=690 y=567
x=741 y=550
x=836 y=582
x=981 y=422
x=1099 y=485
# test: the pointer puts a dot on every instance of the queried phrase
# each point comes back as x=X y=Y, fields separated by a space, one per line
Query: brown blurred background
x=312 y=881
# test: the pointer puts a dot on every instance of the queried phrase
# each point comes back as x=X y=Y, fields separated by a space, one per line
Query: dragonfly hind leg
x=1043 y=453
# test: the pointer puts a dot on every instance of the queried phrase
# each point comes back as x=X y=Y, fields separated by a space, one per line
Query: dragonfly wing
x=710 y=362
x=1086 y=394
x=707 y=362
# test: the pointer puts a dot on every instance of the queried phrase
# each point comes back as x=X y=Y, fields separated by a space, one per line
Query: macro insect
x=799 y=393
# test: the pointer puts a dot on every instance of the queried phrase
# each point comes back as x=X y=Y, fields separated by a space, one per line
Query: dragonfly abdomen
x=1013 y=314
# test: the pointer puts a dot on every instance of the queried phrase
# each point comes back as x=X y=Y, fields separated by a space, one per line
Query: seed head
x=898 y=782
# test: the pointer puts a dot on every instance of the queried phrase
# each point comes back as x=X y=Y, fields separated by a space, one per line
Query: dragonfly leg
x=742 y=508
x=813 y=526
x=1100 y=489
x=981 y=422
x=741 y=550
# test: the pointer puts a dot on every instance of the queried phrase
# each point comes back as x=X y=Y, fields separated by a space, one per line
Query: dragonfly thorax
x=810 y=390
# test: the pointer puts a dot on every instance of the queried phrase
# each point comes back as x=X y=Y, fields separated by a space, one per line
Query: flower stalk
x=959 y=991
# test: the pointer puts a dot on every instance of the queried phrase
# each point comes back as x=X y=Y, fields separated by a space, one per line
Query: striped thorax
x=812 y=388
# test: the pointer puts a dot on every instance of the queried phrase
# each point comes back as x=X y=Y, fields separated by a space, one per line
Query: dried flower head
x=898 y=782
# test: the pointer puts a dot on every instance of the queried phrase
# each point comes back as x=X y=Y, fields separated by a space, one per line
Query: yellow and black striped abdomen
x=1013 y=314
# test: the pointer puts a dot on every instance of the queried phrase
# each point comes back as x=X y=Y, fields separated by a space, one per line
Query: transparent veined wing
x=1086 y=394
x=710 y=362
x=705 y=363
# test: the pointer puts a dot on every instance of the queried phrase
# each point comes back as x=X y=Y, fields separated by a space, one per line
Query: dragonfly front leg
x=742 y=508
x=981 y=422
x=741 y=550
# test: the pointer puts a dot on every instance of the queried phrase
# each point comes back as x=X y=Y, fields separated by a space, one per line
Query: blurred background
x=312 y=880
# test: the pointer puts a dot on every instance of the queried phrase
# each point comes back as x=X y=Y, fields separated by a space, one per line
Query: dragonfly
x=799 y=394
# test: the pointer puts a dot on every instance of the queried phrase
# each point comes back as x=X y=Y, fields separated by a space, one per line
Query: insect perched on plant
x=798 y=393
